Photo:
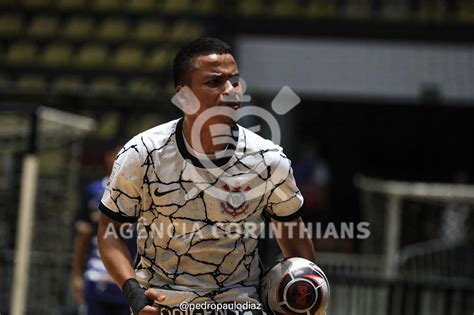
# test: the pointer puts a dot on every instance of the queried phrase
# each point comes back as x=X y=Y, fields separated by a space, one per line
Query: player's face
x=215 y=82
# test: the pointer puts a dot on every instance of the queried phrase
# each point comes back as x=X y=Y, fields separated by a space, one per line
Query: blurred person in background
x=313 y=177
x=93 y=288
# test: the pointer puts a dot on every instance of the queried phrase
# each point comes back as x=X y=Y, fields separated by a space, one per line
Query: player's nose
x=231 y=87
x=231 y=93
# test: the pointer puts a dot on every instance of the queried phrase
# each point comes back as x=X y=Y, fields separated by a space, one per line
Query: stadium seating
x=130 y=38
x=176 y=6
x=112 y=29
x=56 y=55
x=21 y=53
x=67 y=83
x=466 y=12
x=286 y=8
x=105 y=85
x=4 y=81
x=33 y=82
x=128 y=57
x=10 y=25
x=157 y=59
x=78 y=27
x=142 y=86
x=107 y=5
x=35 y=4
x=205 y=7
x=43 y=27
x=91 y=56
x=140 y=6
x=70 y=5
x=184 y=31
x=320 y=9
x=149 y=31
x=251 y=8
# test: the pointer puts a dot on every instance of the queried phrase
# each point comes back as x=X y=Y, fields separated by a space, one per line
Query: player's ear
x=185 y=100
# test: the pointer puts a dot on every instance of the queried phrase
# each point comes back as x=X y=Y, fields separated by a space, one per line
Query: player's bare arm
x=118 y=262
x=294 y=240
x=114 y=252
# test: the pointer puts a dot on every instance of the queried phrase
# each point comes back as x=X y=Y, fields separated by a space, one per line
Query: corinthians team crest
x=236 y=202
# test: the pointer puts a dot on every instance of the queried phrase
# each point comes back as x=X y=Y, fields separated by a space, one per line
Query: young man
x=189 y=191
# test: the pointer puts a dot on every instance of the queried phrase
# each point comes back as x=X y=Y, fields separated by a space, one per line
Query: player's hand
x=141 y=300
x=78 y=289
x=155 y=296
x=152 y=294
x=149 y=310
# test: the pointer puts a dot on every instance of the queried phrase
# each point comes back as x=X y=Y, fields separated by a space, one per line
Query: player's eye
x=214 y=82
x=234 y=81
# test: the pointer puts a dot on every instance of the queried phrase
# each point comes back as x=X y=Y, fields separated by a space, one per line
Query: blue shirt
x=95 y=272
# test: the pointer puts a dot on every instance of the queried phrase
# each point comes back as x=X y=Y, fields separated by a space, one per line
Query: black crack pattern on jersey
x=169 y=212
x=126 y=149
x=120 y=194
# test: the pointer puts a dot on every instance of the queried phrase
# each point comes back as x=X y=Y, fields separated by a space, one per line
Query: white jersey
x=199 y=227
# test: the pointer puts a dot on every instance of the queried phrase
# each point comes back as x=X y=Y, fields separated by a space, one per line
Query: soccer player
x=194 y=196
x=92 y=285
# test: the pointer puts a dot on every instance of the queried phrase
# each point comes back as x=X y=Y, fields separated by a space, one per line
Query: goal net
x=419 y=256
x=420 y=230
x=39 y=173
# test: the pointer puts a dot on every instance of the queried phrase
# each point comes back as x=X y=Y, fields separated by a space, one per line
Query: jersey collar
x=200 y=162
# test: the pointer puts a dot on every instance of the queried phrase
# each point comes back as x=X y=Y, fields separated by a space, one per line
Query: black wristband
x=135 y=295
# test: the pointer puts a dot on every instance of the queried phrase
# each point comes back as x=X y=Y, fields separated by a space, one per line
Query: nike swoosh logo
x=161 y=194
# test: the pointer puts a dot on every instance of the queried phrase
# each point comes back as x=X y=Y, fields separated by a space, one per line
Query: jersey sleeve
x=122 y=198
x=285 y=199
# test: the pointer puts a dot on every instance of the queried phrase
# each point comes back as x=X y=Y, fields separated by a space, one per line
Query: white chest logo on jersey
x=235 y=203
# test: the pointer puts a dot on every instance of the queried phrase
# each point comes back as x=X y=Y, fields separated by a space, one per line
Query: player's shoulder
x=151 y=139
x=254 y=143
x=158 y=134
x=255 y=147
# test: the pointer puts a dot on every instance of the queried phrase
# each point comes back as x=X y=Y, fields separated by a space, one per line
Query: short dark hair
x=183 y=63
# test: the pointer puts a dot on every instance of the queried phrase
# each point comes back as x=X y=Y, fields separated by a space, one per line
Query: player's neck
x=207 y=145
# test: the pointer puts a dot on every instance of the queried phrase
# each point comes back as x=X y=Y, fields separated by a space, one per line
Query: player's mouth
x=233 y=105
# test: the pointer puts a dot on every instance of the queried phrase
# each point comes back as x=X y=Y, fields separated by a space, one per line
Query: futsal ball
x=295 y=286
